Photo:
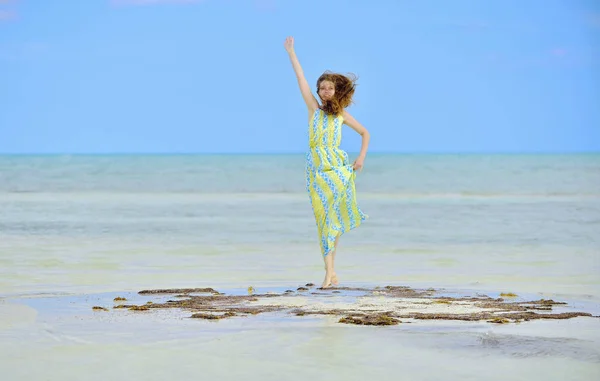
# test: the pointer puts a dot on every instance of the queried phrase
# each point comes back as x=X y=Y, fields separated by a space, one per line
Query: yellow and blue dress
x=330 y=180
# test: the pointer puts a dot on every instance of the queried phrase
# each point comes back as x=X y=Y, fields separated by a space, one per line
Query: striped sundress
x=330 y=180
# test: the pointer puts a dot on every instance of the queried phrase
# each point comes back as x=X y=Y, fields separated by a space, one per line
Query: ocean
x=75 y=226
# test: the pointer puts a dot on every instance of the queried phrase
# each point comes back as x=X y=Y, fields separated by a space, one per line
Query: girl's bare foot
x=334 y=279
x=327 y=281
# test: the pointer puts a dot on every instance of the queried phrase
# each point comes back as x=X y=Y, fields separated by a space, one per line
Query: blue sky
x=185 y=76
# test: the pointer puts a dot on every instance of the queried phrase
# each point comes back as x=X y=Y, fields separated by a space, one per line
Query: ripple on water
x=518 y=346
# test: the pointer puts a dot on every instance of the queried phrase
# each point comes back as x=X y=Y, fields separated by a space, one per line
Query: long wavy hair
x=344 y=90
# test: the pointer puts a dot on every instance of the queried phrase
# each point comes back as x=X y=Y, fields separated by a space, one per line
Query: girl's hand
x=358 y=163
x=289 y=44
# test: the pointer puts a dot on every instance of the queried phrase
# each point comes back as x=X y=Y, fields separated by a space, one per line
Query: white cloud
x=7 y=15
x=594 y=19
x=265 y=5
x=558 y=52
x=153 y=2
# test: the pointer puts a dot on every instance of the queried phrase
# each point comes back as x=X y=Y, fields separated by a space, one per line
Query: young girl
x=329 y=176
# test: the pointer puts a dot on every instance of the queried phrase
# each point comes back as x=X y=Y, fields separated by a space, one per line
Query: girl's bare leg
x=328 y=270
x=334 y=278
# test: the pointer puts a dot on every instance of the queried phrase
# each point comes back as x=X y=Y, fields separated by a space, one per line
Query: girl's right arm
x=309 y=98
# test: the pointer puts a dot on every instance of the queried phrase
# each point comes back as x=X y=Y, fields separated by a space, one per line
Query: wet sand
x=261 y=333
x=388 y=305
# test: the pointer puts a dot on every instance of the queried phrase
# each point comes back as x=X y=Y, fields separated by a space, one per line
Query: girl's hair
x=344 y=90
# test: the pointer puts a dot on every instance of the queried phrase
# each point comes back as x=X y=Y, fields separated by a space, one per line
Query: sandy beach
x=299 y=333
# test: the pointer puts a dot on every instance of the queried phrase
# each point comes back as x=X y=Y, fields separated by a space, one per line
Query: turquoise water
x=72 y=227
x=101 y=223
x=405 y=175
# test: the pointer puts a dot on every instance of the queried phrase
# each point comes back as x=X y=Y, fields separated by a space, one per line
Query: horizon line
x=157 y=153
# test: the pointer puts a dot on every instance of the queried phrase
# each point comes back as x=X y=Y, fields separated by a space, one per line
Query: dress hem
x=342 y=232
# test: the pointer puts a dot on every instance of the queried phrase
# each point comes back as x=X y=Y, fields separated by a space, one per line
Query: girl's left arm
x=366 y=137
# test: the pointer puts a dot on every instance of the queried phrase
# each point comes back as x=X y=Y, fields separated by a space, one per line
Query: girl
x=329 y=176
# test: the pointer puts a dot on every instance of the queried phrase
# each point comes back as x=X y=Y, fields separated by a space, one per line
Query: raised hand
x=309 y=98
x=289 y=44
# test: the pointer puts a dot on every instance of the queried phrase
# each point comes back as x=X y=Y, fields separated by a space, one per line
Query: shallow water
x=84 y=225
x=87 y=242
x=67 y=341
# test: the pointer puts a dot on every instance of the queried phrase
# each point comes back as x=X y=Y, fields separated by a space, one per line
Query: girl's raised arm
x=309 y=98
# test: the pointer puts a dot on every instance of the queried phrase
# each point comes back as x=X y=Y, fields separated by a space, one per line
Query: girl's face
x=326 y=90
